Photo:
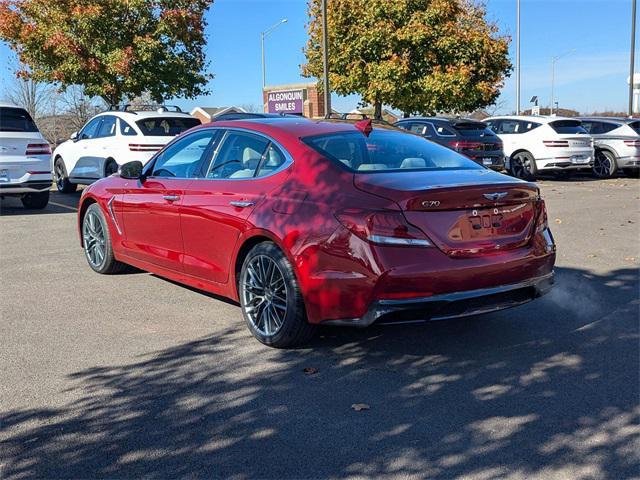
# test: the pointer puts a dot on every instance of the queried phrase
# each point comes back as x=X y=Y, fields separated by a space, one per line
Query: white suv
x=113 y=138
x=25 y=158
x=534 y=144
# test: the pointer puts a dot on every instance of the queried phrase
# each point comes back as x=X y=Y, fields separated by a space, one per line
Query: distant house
x=205 y=114
x=387 y=114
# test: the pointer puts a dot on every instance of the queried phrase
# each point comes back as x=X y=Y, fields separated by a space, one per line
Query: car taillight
x=632 y=143
x=459 y=145
x=38 y=149
x=382 y=227
x=543 y=223
x=145 y=147
x=556 y=143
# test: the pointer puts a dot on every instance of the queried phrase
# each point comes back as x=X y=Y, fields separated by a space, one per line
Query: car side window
x=272 y=160
x=126 y=129
x=238 y=156
x=493 y=125
x=107 y=127
x=508 y=127
x=415 y=128
x=445 y=131
x=527 y=126
x=183 y=158
x=90 y=130
x=606 y=127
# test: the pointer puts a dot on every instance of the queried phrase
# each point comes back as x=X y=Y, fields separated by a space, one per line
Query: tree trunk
x=406 y=114
x=377 y=114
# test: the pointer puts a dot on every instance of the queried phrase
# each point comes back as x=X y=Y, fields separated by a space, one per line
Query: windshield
x=166 y=126
x=567 y=126
x=16 y=120
x=385 y=150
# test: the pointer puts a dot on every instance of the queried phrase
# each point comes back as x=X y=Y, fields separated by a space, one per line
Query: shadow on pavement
x=547 y=389
x=58 y=203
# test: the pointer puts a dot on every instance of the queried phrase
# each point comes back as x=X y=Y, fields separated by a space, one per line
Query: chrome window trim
x=288 y=159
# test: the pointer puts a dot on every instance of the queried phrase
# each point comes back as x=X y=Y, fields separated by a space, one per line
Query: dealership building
x=295 y=98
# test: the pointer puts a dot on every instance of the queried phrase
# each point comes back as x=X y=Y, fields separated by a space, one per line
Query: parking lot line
x=62 y=205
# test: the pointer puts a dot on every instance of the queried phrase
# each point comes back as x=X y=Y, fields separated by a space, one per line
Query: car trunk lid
x=464 y=212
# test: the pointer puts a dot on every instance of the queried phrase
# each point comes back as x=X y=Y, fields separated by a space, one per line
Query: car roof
x=10 y=105
x=294 y=128
x=138 y=115
x=618 y=120
x=452 y=120
x=544 y=119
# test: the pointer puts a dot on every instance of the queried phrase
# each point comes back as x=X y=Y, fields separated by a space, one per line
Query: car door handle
x=241 y=204
x=171 y=198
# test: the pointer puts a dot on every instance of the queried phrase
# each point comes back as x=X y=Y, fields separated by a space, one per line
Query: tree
x=114 y=49
x=418 y=56
x=35 y=97
x=79 y=107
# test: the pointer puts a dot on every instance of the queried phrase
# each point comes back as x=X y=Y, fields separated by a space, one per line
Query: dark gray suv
x=468 y=137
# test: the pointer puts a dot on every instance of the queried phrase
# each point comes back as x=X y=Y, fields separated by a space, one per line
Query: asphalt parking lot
x=134 y=376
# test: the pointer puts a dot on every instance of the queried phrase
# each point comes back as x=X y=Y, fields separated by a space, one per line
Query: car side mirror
x=74 y=136
x=131 y=170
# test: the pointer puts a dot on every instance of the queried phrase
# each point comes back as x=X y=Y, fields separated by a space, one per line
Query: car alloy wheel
x=94 y=239
x=59 y=176
x=604 y=164
x=264 y=293
x=522 y=166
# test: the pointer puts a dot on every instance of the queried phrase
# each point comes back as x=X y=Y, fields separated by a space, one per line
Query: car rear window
x=385 y=150
x=635 y=126
x=567 y=126
x=166 y=126
x=16 y=120
x=472 y=129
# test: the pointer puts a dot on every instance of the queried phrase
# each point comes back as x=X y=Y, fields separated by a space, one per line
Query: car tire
x=270 y=297
x=36 y=201
x=522 y=165
x=604 y=164
x=110 y=167
x=632 y=172
x=96 y=242
x=61 y=178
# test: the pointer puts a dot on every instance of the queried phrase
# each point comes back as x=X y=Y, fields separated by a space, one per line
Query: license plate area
x=487 y=161
x=579 y=159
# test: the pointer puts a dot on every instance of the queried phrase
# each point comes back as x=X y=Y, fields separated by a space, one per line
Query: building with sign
x=295 y=98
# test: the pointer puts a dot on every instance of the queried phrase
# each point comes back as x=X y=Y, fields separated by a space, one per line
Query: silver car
x=617 y=145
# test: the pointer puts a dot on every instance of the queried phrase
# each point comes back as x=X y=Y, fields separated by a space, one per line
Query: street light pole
x=325 y=61
x=518 y=57
x=262 y=37
x=553 y=76
x=632 y=59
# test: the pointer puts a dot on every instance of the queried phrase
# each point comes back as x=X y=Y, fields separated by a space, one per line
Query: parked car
x=25 y=158
x=617 y=145
x=248 y=116
x=543 y=144
x=328 y=222
x=468 y=137
x=113 y=138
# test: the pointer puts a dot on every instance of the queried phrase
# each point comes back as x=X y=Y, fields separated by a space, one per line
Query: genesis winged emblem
x=495 y=196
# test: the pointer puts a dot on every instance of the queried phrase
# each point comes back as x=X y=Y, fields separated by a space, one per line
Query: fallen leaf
x=558 y=221
x=360 y=406
x=591 y=255
x=310 y=370
x=630 y=259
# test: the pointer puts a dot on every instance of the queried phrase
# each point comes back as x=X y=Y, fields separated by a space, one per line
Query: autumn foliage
x=114 y=48
x=419 y=56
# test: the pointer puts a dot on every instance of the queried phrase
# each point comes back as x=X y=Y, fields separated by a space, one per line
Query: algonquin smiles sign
x=286 y=101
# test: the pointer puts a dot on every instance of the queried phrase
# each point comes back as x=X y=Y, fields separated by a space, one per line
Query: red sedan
x=323 y=222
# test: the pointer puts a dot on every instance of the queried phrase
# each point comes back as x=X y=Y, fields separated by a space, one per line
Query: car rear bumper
x=452 y=305
x=31 y=186
x=628 y=162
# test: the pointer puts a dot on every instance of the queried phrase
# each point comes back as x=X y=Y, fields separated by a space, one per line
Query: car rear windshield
x=166 y=126
x=472 y=129
x=16 y=120
x=385 y=150
x=635 y=126
x=567 y=126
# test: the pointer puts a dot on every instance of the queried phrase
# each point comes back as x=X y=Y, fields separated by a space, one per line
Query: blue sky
x=592 y=77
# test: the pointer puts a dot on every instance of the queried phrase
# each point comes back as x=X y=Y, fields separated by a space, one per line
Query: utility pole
x=632 y=59
x=325 y=61
x=262 y=37
x=518 y=57
x=553 y=76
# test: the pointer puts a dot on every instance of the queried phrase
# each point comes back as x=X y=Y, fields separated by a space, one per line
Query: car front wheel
x=96 y=242
x=604 y=164
x=523 y=166
x=271 y=300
